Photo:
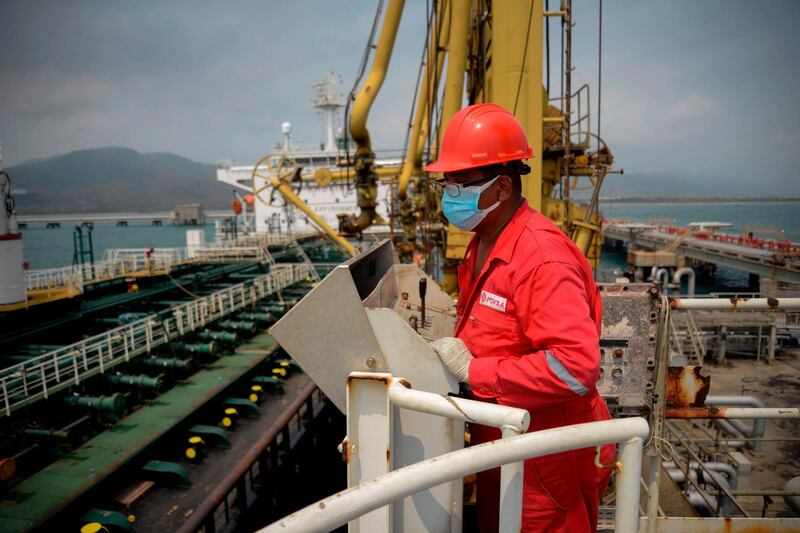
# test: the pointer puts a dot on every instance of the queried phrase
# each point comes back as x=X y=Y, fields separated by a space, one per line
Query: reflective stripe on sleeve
x=564 y=375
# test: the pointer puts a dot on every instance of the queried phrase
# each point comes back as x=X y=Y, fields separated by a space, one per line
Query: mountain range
x=115 y=179
x=120 y=179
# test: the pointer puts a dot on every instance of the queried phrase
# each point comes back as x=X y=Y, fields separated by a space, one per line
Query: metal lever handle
x=423 y=288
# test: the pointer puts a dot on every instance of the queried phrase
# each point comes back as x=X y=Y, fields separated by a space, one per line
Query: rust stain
x=368 y=376
x=687 y=387
x=405 y=383
x=346 y=450
x=388 y=455
x=674 y=303
x=772 y=302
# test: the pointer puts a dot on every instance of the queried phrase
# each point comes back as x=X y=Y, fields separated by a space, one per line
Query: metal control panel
x=628 y=346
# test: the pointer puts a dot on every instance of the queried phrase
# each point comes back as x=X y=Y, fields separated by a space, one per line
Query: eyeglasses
x=453 y=190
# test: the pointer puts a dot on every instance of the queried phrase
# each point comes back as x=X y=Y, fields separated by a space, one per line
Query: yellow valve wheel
x=280 y=372
x=227 y=421
x=273 y=175
x=132 y=518
x=93 y=527
x=191 y=453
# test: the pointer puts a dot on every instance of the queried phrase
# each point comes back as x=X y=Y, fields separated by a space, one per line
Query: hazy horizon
x=689 y=88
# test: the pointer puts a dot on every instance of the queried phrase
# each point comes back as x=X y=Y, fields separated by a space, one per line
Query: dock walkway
x=753 y=256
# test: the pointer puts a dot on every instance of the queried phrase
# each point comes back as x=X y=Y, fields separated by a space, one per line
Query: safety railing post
x=369 y=442
x=511 y=478
x=629 y=473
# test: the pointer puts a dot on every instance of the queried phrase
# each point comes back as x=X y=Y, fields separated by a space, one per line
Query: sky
x=691 y=88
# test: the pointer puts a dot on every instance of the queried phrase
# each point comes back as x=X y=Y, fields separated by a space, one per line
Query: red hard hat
x=480 y=135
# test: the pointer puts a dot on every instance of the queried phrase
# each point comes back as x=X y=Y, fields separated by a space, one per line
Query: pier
x=120 y=219
x=778 y=261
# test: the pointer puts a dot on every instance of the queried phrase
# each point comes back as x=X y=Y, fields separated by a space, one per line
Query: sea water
x=780 y=216
x=50 y=248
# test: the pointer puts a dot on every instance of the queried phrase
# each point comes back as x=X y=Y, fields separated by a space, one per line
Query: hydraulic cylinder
x=166 y=362
x=256 y=317
x=219 y=336
x=208 y=348
x=113 y=405
x=237 y=325
x=138 y=382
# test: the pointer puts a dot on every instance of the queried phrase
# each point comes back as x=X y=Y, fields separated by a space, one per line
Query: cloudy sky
x=705 y=88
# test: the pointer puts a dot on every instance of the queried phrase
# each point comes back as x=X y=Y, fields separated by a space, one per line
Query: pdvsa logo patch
x=498 y=303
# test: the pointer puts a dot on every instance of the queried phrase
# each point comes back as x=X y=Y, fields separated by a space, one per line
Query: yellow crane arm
x=285 y=188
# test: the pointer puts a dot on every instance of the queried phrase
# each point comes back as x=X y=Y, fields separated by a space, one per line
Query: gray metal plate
x=628 y=345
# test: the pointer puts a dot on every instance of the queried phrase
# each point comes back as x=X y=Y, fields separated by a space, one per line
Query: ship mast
x=328 y=101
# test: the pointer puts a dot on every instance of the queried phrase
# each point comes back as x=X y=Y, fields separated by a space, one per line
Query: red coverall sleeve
x=553 y=311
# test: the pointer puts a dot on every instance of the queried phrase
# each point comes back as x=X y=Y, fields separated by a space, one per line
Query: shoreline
x=713 y=200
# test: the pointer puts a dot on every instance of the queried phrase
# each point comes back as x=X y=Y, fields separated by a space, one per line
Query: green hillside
x=115 y=179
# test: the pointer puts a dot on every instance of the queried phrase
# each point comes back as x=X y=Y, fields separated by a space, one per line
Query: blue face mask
x=462 y=209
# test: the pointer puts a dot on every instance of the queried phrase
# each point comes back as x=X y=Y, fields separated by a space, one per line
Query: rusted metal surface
x=735 y=304
x=8 y=467
x=206 y=509
x=709 y=412
x=687 y=387
x=674 y=524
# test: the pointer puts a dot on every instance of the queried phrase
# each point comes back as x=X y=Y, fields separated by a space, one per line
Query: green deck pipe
x=219 y=336
x=127 y=318
x=46 y=433
x=275 y=309
x=270 y=383
x=166 y=362
x=241 y=325
x=107 y=321
x=39 y=349
x=256 y=317
x=140 y=382
x=113 y=405
x=209 y=348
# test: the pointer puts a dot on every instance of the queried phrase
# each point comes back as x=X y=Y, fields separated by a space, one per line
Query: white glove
x=455 y=356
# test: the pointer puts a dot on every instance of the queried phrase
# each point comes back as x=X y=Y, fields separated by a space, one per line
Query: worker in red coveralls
x=529 y=319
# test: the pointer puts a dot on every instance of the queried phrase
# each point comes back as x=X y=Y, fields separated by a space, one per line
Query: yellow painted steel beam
x=285 y=188
x=366 y=96
x=325 y=176
x=514 y=77
x=428 y=89
x=457 y=50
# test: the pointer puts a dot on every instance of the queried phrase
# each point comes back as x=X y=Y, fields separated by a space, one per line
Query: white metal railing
x=28 y=382
x=118 y=262
x=347 y=505
x=752 y=304
x=54 y=278
x=580 y=120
